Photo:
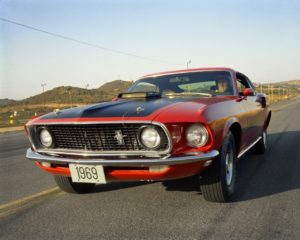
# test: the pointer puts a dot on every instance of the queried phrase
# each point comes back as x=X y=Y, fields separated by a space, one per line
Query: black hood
x=121 y=108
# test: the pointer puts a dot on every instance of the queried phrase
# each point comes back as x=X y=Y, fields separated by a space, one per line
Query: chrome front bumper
x=167 y=160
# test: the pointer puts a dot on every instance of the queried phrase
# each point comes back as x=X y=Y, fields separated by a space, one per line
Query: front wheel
x=66 y=184
x=218 y=182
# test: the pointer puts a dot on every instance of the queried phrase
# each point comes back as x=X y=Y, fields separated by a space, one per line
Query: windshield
x=197 y=83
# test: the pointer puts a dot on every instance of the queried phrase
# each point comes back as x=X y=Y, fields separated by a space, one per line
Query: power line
x=87 y=43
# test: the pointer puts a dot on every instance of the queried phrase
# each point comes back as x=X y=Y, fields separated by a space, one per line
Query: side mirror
x=248 y=92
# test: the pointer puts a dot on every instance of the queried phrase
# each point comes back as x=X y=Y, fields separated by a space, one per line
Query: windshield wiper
x=188 y=94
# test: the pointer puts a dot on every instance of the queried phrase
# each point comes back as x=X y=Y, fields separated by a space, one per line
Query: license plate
x=87 y=173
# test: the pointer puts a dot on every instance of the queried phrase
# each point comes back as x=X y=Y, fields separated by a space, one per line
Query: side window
x=251 y=84
x=240 y=86
x=243 y=82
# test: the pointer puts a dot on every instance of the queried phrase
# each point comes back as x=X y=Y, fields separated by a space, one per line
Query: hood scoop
x=139 y=95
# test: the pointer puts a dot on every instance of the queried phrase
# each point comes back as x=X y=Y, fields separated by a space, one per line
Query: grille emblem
x=120 y=137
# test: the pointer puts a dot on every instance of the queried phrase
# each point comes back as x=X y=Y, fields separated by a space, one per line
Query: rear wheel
x=218 y=183
x=262 y=145
x=66 y=184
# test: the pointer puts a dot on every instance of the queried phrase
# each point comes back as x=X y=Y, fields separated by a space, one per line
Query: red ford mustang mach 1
x=168 y=125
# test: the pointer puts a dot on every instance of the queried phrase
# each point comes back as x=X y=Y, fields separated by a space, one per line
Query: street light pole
x=188 y=63
x=43 y=86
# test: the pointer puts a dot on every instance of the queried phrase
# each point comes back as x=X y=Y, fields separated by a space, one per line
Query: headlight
x=150 y=137
x=45 y=138
x=196 y=135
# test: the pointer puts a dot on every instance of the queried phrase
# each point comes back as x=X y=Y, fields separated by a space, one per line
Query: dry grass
x=38 y=106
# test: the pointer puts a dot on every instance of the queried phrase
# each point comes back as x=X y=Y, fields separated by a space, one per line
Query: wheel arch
x=268 y=119
x=233 y=126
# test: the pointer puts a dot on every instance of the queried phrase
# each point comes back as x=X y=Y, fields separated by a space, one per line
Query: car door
x=254 y=110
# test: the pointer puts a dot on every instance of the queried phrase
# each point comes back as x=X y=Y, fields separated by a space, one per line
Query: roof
x=188 y=70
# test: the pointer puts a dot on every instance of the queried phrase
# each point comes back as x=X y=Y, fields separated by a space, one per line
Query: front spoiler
x=131 y=162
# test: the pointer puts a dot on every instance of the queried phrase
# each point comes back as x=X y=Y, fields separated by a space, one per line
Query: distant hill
x=291 y=83
x=75 y=95
x=6 y=101
x=116 y=86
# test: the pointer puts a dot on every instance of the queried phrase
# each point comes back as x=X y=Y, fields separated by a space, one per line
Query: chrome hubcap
x=229 y=168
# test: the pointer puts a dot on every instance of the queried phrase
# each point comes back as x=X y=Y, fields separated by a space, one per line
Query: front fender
x=221 y=129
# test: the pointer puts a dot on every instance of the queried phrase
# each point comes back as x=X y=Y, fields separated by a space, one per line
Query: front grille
x=101 y=137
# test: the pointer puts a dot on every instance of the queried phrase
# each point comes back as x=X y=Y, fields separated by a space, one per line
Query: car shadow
x=112 y=186
x=190 y=184
x=259 y=176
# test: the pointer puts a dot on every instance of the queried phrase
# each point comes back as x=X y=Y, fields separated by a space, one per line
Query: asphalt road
x=267 y=205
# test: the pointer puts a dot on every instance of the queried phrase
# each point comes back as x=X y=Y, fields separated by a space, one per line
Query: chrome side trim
x=104 y=153
x=168 y=160
x=249 y=147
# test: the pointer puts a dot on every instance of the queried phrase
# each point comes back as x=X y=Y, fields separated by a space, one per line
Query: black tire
x=66 y=184
x=261 y=146
x=217 y=184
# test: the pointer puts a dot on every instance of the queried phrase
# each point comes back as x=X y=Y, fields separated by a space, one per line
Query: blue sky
x=259 y=38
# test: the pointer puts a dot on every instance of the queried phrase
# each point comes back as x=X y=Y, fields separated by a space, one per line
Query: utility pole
x=269 y=91
x=43 y=86
x=280 y=97
x=188 y=63
x=272 y=93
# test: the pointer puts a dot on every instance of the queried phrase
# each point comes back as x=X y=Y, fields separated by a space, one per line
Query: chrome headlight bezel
x=197 y=135
x=156 y=137
x=45 y=137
